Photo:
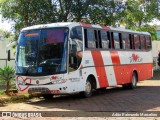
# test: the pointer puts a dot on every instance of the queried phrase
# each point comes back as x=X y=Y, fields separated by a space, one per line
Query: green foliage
x=26 y=13
x=7 y=73
x=139 y=12
x=132 y=14
x=156 y=75
x=2 y=81
x=2 y=92
x=6 y=35
x=106 y=12
x=150 y=29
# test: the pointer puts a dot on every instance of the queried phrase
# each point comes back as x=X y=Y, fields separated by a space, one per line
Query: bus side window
x=137 y=42
x=126 y=41
x=91 y=38
x=116 y=40
x=148 y=42
x=105 y=40
x=76 y=33
x=131 y=39
x=143 y=42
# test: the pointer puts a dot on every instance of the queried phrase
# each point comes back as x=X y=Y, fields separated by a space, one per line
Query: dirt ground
x=146 y=97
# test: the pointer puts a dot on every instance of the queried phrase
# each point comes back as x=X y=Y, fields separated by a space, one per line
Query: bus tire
x=134 y=80
x=47 y=96
x=88 y=89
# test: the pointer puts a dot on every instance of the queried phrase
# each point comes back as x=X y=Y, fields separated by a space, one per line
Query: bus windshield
x=42 y=52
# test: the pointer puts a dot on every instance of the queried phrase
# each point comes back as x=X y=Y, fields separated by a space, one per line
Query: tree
x=6 y=35
x=149 y=28
x=7 y=74
x=138 y=13
x=106 y=12
x=72 y=10
x=63 y=9
x=80 y=9
x=132 y=14
x=26 y=13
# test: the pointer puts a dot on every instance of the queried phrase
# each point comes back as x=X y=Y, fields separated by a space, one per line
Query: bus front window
x=42 y=52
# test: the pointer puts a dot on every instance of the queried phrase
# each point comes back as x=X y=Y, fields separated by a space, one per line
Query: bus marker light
x=54 y=77
x=55 y=91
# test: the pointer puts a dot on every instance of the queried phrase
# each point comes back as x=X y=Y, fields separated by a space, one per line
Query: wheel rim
x=88 y=87
x=134 y=81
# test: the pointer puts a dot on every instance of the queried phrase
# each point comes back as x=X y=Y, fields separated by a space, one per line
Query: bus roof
x=72 y=24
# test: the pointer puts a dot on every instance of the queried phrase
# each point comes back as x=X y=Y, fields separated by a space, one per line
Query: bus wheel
x=88 y=89
x=134 y=80
x=133 y=83
x=48 y=96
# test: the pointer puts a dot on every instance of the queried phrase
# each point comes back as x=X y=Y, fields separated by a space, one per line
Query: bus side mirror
x=8 y=49
x=9 y=55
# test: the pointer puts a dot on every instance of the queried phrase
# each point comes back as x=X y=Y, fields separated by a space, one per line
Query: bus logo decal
x=24 y=81
x=135 y=58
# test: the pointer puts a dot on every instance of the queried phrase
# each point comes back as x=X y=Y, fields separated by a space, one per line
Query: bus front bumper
x=43 y=89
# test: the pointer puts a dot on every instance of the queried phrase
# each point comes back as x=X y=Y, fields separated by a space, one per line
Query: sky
x=5 y=25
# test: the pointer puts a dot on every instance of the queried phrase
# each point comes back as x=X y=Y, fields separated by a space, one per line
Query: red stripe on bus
x=105 y=27
x=85 y=24
x=116 y=66
x=115 y=57
x=100 y=69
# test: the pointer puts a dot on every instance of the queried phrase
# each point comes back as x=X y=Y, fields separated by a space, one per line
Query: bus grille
x=41 y=90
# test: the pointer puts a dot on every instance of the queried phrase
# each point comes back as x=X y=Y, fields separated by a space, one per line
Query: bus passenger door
x=74 y=63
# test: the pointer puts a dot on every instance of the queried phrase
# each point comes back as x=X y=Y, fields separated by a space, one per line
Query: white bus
x=67 y=58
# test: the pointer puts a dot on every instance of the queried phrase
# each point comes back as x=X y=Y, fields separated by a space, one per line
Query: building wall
x=155 y=48
x=3 y=54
